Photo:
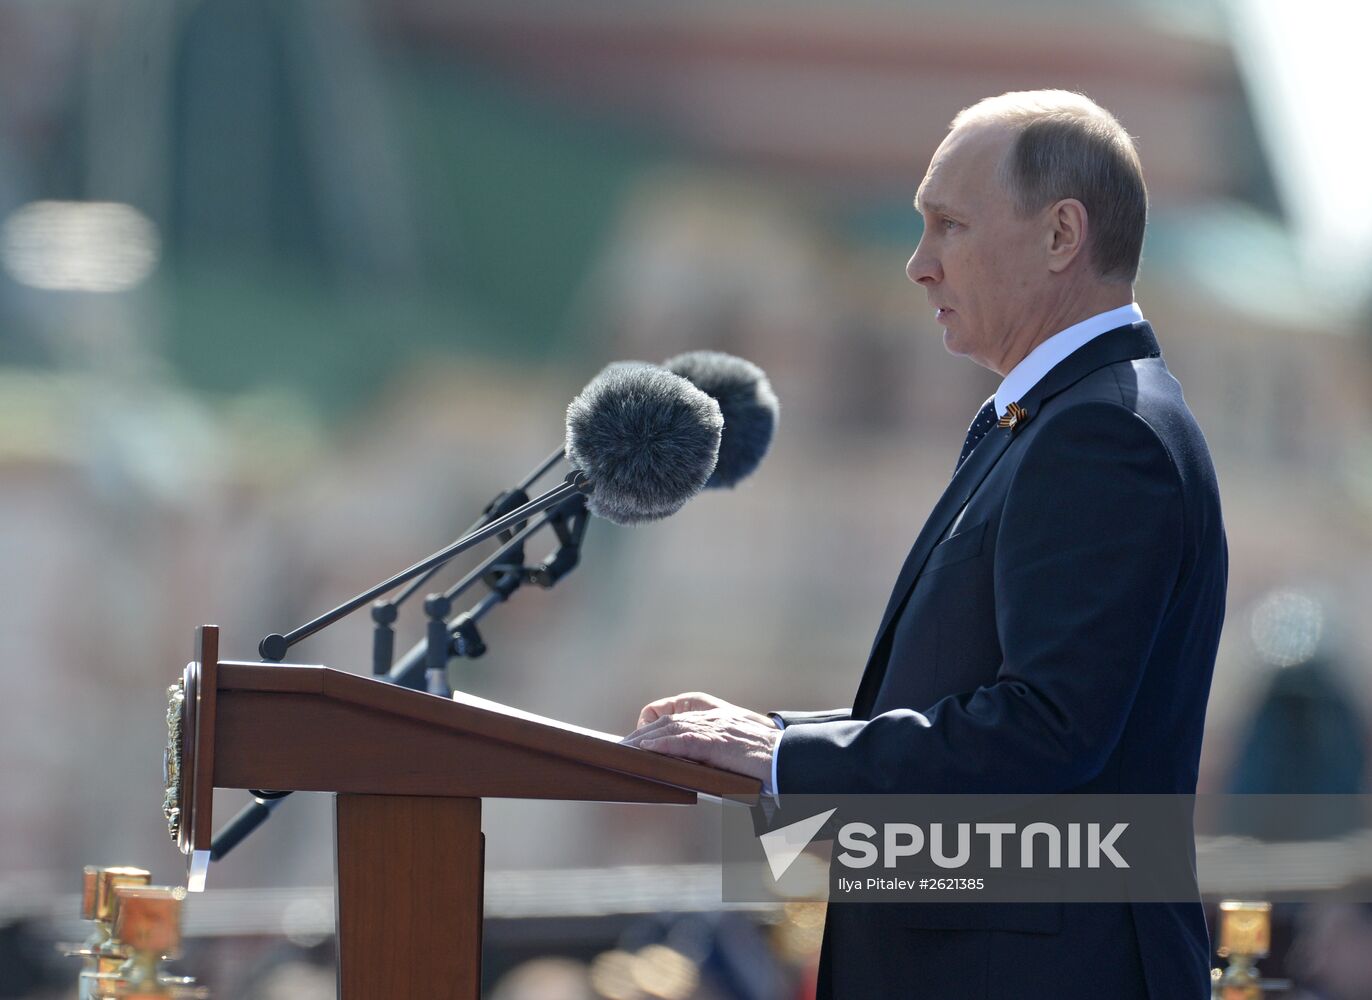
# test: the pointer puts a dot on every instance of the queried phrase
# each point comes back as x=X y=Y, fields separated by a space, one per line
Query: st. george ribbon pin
x=1014 y=416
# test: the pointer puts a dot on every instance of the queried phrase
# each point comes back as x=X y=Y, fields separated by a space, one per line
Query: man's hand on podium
x=707 y=729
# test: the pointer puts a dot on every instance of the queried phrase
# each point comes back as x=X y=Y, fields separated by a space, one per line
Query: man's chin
x=953 y=343
x=958 y=345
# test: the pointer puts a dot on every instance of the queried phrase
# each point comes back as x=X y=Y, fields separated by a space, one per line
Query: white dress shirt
x=1042 y=359
x=1017 y=383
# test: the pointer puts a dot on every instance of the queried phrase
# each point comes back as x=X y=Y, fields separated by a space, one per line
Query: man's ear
x=1067 y=224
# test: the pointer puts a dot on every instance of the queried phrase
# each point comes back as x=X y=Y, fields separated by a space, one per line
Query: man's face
x=981 y=264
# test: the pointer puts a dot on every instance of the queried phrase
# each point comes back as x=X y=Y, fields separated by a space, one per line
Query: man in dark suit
x=1054 y=627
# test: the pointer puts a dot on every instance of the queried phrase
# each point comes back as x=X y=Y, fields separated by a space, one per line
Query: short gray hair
x=1068 y=146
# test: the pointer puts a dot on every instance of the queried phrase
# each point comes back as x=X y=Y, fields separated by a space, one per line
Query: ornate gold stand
x=1245 y=937
x=136 y=927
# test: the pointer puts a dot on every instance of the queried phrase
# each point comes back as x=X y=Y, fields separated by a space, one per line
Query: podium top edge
x=507 y=727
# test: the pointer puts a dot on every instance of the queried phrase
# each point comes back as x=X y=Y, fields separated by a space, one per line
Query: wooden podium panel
x=409 y=872
x=409 y=770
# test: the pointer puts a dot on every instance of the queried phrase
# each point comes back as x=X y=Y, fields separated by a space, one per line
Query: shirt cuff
x=770 y=786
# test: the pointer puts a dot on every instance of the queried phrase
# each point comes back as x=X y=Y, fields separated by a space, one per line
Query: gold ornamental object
x=148 y=920
x=102 y=951
x=1245 y=937
x=1245 y=929
x=97 y=896
x=135 y=927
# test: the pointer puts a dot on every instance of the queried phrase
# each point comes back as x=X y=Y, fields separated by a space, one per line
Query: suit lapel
x=981 y=461
x=965 y=482
x=1125 y=343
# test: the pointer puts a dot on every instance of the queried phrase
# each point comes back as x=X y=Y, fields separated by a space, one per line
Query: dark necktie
x=983 y=422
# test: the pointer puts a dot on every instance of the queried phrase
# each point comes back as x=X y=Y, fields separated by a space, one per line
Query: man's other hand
x=693 y=701
x=707 y=729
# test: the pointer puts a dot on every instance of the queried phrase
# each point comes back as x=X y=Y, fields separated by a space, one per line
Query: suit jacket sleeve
x=1088 y=552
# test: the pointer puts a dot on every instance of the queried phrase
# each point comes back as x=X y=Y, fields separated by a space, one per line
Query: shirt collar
x=1042 y=359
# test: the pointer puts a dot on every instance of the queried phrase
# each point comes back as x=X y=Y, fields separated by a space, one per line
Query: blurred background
x=290 y=290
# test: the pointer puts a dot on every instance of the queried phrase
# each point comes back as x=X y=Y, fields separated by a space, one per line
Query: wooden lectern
x=409 y=771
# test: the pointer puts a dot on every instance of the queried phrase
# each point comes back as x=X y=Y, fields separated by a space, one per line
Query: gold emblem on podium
x=171 y=760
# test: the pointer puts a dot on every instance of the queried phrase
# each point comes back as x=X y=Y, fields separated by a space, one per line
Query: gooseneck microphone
x=644 y=439
x=650 y=440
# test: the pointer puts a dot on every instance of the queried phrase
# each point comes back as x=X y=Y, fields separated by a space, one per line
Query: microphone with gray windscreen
x=646 y=439
x=641 y=442
x=745 y=399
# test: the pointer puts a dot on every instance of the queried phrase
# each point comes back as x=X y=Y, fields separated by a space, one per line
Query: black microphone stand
x=385 y=612
x=568 y=518
x=274 y=647
x=459 y=637
x=502 y=572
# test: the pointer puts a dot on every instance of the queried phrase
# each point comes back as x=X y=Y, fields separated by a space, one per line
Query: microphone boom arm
x=569 y=523
x=273 y=647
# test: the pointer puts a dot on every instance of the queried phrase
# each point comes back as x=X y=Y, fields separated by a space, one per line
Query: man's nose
x=923 y=268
